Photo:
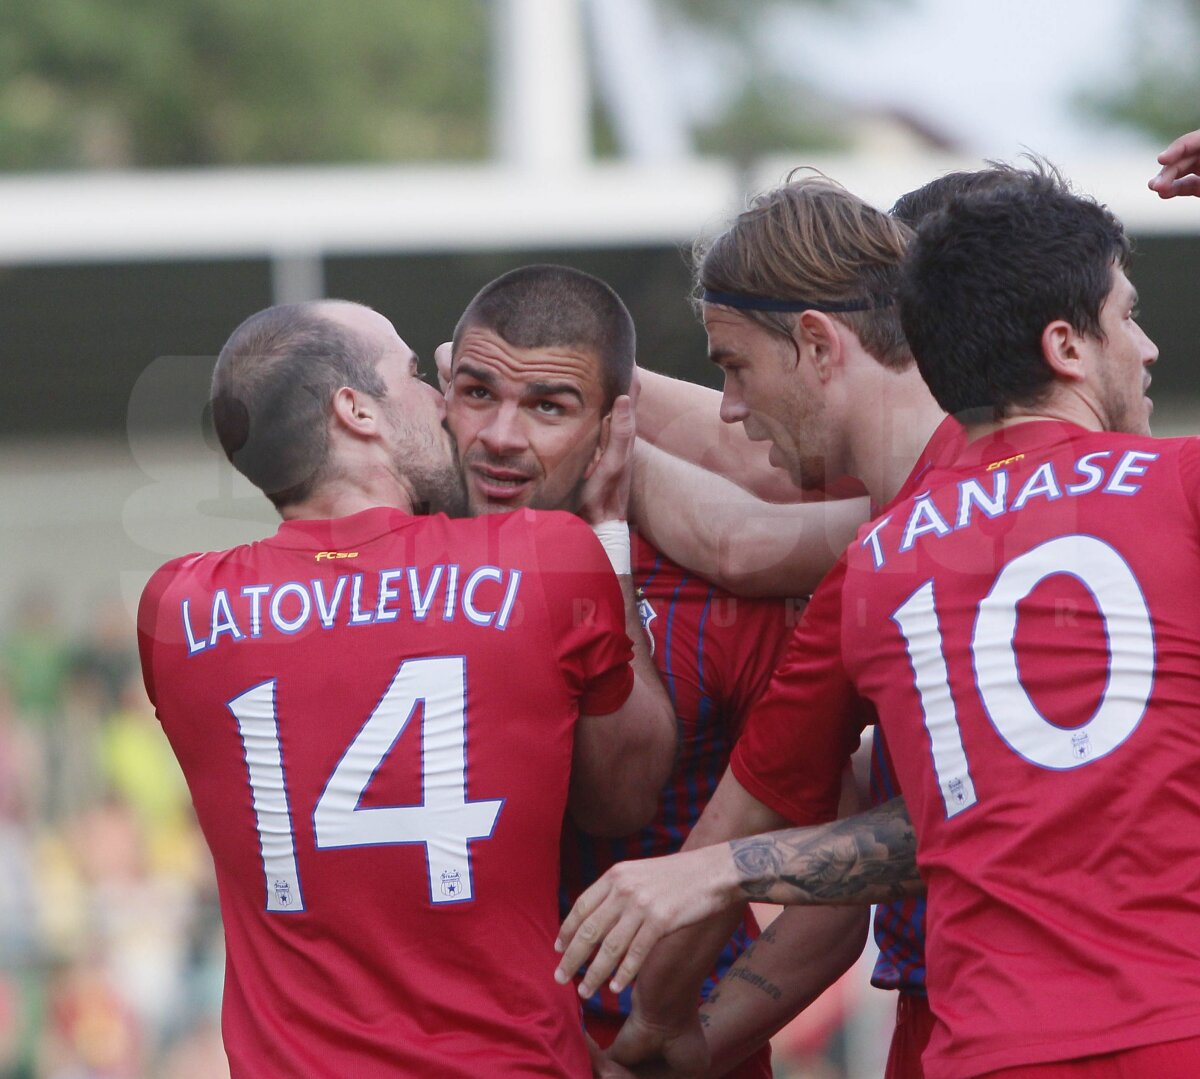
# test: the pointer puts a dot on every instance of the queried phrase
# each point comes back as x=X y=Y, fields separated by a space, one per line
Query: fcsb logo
x=329 y=555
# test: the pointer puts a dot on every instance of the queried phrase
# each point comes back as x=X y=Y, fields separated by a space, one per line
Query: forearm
x=667 y=990
x=669 y=985
x=728 y=536
x=797 y=957
x=859 y=860
x=867 y=858
x=684 y=420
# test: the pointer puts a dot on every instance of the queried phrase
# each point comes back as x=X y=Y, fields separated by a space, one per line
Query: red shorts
x=914 y=1023
x=603 y=1030
x=1163 y=1060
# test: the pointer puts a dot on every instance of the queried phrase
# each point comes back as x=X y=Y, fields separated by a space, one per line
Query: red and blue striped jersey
x=715 y=653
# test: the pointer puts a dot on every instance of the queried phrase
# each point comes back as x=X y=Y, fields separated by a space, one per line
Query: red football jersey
x=800 y=736
x=1028 y=628
x=375 y=716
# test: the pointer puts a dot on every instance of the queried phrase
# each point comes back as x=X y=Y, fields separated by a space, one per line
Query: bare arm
x=731 y=537
x=867 y=858
x=1180 y=172
x=797 y=957
x=664 y=1022
x=622 y=760
x=684 y=420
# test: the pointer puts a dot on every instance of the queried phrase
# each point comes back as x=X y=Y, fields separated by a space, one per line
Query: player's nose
x=1149 y=351
x=503 y=434
x=733 y=408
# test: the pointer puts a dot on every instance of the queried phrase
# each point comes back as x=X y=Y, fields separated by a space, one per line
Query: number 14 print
x=445 y=822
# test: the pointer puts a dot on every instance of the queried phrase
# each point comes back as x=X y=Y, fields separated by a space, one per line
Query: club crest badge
x=451 y=883
x=1081 y=745
x=647 y=614
x=283 y=893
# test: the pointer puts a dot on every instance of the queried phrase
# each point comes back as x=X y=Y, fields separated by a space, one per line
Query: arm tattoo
x=868 y=858
x=757 y=980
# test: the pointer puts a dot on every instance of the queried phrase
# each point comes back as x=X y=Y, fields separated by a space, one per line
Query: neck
x=894 y=417
x=339 y=498
x=1063 y=406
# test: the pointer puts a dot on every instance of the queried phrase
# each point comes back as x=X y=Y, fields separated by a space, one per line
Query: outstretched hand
x=634 y=905
x=605 y=495
x=1180 y=173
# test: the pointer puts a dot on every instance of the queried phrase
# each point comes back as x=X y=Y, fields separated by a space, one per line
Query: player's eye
x=549 y=408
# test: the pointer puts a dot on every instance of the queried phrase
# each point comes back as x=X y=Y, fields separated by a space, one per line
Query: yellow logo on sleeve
x=327 y=555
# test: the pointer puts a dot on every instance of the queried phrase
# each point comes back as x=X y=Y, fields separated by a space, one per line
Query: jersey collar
x=341 y=532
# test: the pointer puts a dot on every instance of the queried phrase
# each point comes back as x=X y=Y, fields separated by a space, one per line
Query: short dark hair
x=272 y=391
x=912 y=208
x=546 y=306
x=989 y=271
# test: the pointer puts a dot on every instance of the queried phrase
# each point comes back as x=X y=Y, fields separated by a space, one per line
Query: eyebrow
x=720 y=355
x=465 y=367
x=553 y=389
x=533 y=389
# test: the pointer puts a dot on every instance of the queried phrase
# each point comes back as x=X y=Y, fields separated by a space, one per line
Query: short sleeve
x=587 y=613
x=764 y=630
x=149 y=631
x=1189 y=473
x=800 y=735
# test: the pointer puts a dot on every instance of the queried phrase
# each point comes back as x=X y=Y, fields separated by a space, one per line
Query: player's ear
x=355 y=412
x=601 y=443
x=818 y=343
x=1063 y=351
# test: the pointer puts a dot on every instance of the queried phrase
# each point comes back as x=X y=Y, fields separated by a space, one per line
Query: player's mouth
x=500 y=484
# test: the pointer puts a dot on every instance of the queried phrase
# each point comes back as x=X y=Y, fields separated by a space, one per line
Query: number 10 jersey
x=375 y=716
x=1027 y=626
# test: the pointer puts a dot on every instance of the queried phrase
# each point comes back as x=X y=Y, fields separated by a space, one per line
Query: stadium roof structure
x=544 y=189
x=274 y=212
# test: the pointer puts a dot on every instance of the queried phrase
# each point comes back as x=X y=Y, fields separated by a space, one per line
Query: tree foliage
x=1160 y=95
x=152 y=83
x=193 y=82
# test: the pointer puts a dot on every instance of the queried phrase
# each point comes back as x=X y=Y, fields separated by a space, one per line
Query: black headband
x=767 y=303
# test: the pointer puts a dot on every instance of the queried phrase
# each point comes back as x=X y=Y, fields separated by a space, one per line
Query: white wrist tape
x=614 y=537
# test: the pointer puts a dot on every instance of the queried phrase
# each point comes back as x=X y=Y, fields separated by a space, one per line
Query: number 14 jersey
x=375 y=717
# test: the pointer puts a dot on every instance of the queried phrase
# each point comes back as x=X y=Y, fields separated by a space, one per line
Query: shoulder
x=168 y=574
x=558 y=538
